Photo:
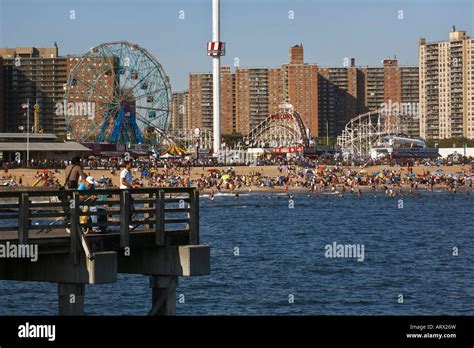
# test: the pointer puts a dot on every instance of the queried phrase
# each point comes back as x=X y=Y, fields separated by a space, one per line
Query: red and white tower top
x=216 y=49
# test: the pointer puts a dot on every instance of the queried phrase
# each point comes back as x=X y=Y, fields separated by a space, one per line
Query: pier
x=149 y=231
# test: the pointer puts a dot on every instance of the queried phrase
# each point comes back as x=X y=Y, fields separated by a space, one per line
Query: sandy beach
x=28 y=175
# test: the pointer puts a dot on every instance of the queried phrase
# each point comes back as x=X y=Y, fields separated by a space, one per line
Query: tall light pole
x=327 y=132
x=216 y=49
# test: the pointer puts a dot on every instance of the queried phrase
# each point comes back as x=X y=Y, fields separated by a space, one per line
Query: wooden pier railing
x=161 y=211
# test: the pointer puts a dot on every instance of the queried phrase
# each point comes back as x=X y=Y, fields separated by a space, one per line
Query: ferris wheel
x=117 y=93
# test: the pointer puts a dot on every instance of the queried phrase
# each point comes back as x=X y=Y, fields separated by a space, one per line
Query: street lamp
x=197 y=137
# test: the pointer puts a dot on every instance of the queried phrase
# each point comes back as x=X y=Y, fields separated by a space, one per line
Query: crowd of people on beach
x=311 y=177
x=315 y=175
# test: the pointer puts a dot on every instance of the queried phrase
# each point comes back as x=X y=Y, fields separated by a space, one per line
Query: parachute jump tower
x=216 y=49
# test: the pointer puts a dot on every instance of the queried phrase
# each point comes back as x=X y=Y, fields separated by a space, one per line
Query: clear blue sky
x=258 y=32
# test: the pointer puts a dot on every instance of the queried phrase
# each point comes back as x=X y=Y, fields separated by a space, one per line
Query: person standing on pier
x=74 y=174
x=126 y=182
x=126 y=176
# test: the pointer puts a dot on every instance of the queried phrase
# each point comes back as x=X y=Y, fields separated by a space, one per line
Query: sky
x=256 y=32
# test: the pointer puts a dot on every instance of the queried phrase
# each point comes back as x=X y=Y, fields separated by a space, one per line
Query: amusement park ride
x=129 y=93
x=281 y=129
x=374 y=134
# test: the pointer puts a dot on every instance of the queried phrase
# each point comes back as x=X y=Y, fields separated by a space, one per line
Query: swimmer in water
x=236 y=195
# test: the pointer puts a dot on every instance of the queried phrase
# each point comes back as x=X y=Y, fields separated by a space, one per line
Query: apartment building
x=179 y=108
x=300 y=87
x=338 y=90
x=37 y=75
x=447 y=87
x=200 y=101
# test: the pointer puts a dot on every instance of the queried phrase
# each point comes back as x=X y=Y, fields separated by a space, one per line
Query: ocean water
x=268 y=257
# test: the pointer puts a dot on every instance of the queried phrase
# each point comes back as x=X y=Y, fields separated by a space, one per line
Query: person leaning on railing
x=87 y=185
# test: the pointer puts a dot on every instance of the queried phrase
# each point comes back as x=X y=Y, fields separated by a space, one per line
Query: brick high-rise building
x=447 y=87
x=37 y=74
x=374 y=84
x=251 y=98
x=300 y=87
x=338 y=90
x=228 y=120
x=409 y=96
x=392 y=80
x=179 y=111
x=201 y=101
x=345 y=92
x=275 y=89
x=400 y=95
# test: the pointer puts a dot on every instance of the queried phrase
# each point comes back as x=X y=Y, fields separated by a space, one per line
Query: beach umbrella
x=175 y=150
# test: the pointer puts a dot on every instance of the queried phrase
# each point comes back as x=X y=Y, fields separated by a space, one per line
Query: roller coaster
x=369 y=130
